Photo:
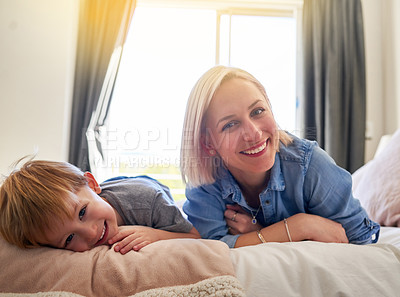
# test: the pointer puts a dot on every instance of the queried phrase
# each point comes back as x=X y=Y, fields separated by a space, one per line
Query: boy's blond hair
x=33 y=196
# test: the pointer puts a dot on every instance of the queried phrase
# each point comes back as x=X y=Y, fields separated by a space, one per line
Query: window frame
x=279 y=8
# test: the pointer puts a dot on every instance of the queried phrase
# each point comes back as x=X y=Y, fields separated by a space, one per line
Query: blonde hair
x=197 y=168
x=33 y=196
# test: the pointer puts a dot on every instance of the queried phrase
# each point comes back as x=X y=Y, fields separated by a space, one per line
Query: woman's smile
x=256 y=150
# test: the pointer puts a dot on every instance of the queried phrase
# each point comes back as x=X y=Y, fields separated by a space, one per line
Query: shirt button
x=267 y=202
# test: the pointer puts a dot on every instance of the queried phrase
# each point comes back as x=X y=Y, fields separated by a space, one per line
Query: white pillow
x=377 y=184
x=316 y=269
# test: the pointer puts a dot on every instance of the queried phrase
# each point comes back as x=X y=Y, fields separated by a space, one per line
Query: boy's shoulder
x=142 y=186
x=129 y=182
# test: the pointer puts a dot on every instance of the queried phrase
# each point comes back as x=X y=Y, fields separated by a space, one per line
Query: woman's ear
x=207 y=147
x=92 y=183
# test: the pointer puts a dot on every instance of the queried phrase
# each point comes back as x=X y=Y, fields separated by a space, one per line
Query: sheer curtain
x=103 y=26
x=333 y=109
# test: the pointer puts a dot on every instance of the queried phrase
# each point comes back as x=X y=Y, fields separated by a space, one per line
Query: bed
x=189 y=267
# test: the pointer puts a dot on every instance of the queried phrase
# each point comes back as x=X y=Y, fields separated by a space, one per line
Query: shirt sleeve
x=328 y=191
x=166 y=215
x=205 y=209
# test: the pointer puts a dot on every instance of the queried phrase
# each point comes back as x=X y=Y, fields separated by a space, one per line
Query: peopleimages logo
x=149 y=139
x=160 y=140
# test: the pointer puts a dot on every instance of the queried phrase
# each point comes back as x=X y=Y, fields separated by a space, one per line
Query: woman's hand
x=133 y=238
x=238 y=220
x=312 y=227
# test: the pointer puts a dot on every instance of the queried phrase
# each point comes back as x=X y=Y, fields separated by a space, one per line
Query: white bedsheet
x=321 y=269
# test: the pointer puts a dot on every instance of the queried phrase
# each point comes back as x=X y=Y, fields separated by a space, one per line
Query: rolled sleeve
x=205 y=210
x=230 y=240
x=370 y=232
x=329 y=188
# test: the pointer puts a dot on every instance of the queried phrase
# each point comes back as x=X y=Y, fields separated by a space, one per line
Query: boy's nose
x=90 y=232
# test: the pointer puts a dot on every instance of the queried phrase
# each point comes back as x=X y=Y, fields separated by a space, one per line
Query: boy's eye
x=69 y=238
x=82 y=212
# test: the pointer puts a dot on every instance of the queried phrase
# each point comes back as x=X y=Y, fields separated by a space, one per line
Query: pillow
x=104 y=272
x=377 y=184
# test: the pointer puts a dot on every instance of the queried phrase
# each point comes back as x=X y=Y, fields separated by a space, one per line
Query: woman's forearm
x=272 y=233
x=299 y=227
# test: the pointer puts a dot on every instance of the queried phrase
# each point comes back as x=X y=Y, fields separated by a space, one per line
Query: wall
x=37 y=53
x=382 y=43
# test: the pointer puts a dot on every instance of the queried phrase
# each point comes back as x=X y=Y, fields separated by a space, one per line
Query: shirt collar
x=230 y=186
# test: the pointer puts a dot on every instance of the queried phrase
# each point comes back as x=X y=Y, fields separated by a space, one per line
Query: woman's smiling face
x=241 y=128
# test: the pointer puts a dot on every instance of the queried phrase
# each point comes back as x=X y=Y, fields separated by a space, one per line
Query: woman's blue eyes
x=254 y=113
x=229 y=125
x=257 y=111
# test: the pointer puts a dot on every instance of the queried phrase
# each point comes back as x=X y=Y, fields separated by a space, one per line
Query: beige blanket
x=219 y=286
x=103 y=272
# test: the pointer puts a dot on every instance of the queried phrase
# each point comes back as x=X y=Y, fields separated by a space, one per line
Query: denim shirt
x=303 y=179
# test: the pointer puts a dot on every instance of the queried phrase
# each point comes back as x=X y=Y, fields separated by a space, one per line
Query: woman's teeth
x=256 y=150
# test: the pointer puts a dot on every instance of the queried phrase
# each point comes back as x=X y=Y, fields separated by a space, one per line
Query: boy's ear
x=207 y=147
x=92 y=183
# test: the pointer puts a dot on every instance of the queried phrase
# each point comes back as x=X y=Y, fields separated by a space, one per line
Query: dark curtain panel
x=102 y=28
x=333 y=109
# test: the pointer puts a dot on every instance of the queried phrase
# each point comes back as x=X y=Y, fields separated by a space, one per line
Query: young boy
x=47 y=203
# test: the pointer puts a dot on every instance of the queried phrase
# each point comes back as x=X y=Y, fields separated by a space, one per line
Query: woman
x=249 y=182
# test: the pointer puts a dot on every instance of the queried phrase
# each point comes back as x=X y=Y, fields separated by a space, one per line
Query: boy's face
x=93 y=222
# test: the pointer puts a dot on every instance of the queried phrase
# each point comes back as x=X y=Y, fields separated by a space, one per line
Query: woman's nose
x=251 y=131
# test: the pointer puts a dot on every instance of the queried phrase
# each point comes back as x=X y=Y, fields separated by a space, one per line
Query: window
x=167 y=50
